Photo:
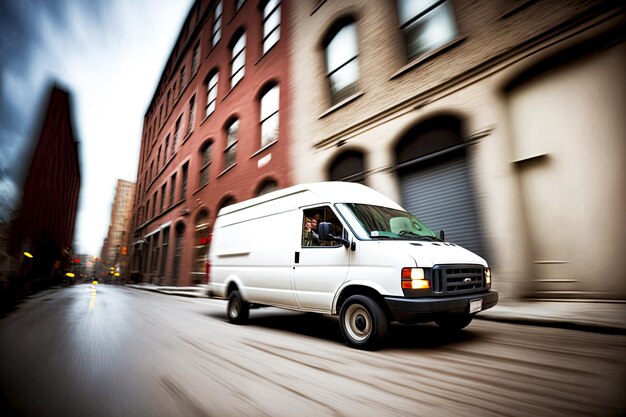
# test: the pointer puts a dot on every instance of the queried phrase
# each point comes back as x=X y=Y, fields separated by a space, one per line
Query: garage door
x=442 y=197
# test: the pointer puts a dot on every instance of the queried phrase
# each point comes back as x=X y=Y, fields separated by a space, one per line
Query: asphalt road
x=114 y=351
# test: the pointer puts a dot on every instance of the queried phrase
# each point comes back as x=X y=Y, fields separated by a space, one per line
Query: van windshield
x=387 y=223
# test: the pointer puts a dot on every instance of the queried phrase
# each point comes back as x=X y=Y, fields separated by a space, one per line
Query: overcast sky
x=109 y=55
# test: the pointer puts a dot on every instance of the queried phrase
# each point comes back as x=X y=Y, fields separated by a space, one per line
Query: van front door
x=319 y=267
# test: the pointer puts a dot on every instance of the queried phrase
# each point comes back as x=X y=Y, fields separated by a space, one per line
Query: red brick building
x=215 y=133
x=45 y=221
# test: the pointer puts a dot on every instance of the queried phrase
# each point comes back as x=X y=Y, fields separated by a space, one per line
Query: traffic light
x=123 y=250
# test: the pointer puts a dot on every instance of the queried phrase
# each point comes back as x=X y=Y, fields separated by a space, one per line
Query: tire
x=237 y=310
x=454 y=323
x=363 y=323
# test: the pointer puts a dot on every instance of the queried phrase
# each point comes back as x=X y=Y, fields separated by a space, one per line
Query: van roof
x=326 y=192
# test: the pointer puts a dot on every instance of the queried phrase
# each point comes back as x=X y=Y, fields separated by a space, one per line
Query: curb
x=556 y=323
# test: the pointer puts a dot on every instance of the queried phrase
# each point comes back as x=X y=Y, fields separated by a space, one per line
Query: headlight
x=487 y=276
x=413 y=279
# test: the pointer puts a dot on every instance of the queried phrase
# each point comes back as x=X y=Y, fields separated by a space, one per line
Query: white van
x=366 y=259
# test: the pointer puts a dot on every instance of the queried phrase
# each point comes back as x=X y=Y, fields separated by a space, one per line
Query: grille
x=457 y=278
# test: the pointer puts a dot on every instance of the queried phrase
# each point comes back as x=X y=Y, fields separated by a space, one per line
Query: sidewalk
x=598 y=317
x=200 y=291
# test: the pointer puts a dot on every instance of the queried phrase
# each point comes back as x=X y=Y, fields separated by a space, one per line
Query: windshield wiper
x=421 y=237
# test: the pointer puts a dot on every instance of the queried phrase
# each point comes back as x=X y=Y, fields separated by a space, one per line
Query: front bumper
x=430 y=308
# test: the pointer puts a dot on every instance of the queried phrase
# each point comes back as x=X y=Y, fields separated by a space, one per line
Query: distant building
x=44 y=225
x=500 y=122
x=216 y=132
x=115 y=248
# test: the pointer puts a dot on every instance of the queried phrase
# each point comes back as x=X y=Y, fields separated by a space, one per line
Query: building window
x=342 y=68
x=267 y=187
x=172 y=189
x=178 y=250
x=166 y=241
x=238 y=60
x=206 y=163
x=269 y=116
x=348 y=166
x=158 y=160
x=271 y=24
x=183 y=190
x=167 y=102
x=196 y=59
x=230 y=153
x=167 y=144
x=217 y=25
x=426 y=25
x=155 y=254
x=238 y=4
x=150 y=172
x=192 y=114
x=201 y=246
x=154 y=204
x=183 y=76
x=161 y=115
x=176 y=135
x=163 y=187
x=211 y=87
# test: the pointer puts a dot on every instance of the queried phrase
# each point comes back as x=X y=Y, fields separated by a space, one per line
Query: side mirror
x=442 y=235
x=323 y=231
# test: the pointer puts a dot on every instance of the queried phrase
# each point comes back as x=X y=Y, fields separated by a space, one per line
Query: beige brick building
x=501 y=122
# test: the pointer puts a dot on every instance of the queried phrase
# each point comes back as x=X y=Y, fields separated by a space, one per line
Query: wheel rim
x=235 y=305
x=357 y=322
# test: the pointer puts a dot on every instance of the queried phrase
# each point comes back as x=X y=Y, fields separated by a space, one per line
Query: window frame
x=234 y=55
x=422 y=16
x=275 y=112
x=266 y=15
x=338 y=96
x=216 y=32
x=213 y=75
x=231 y=145
x=205 y=164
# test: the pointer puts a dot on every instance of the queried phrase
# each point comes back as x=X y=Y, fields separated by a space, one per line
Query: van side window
x=311 y=219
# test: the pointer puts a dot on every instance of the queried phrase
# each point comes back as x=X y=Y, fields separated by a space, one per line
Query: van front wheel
x=363 y=323
x=238 y=310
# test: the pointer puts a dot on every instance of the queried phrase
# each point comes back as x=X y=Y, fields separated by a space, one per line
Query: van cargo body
x=343 y=249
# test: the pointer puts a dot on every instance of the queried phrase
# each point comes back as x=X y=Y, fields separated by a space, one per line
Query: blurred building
x=216 y=132
x=44 y=225
x=500 y=122
x=115 y=246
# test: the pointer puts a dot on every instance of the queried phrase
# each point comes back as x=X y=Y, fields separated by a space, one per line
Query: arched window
x=271 y=24
x=348 y=166
x=267 y=186
x=205 y=153
x=238 y=59
x=217 y=24
x=426 y=25
x=178 y=250
x=226 y=201
x=230 y=153
x=269 y=116
x=211 y=92
x=201 y=246
x=342 y=68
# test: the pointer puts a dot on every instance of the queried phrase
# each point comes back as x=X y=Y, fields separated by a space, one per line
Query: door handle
x=297 y=260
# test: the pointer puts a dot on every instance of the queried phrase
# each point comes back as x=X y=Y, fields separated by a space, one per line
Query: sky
x=109 y=54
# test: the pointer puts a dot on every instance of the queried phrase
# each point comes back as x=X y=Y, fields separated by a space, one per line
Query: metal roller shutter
x=442 y=197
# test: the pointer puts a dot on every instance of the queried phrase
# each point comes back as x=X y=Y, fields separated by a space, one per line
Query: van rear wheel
x=363 y=323
x=454 y=323
x=238 y=310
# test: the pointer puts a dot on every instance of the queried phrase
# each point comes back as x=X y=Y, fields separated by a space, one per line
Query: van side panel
x=256 y=248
